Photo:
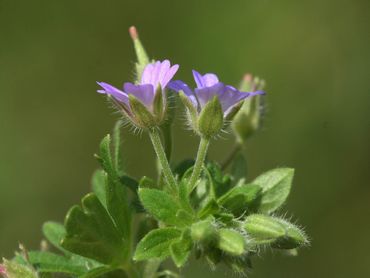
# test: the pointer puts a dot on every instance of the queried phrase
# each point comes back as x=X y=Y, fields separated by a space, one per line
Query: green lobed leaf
x=156 y=244
x=239 y=167
x=116 y=193
x=105 y=272
x=220 y=181
x=54 y=233
x=160 y=205
x=99 y=183
x=241 y=199
x=50 y=262
x=276 y=186
x=231 y=242
x=91 y=232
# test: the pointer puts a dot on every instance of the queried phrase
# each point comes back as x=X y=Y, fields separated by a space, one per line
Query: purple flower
x=154 y=76
x=209 y=86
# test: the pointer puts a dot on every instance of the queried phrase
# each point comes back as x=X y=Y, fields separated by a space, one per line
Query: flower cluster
x=145 y=104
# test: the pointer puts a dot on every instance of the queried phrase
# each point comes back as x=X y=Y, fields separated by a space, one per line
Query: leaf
x=210 y=208
x=116 y=193
x=180 y=250
x=54 y=233
x=16 y=270
x=161 y=205
x=221 y=182
x=276 y=186
x=99 y=183
x=241 y=199
x=91 y=232
x=239 y=167
x=105 y=272
x=182 y=167
x=156 y=244
x=49 y=262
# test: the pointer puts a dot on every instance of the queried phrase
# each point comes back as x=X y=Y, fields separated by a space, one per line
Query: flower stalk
x=201 y=155
x=161 y=155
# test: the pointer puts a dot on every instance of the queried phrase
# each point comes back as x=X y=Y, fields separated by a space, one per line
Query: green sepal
x=158 y=105
x=276 y=186
x=211 y=118
x=156 y=244
x=142 y=117
x=190 y=108
x=180 y=249
x=234 y=111
x=160 y=205
x=231 y=242
x=146 y=182
x=91 y=233
x=241 y=199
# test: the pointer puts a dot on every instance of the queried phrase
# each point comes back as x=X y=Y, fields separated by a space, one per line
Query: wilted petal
x=113 y=91
x=144 y=93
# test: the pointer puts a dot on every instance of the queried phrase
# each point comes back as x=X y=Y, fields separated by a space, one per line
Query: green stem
x=158 y=148
x=201 y=155
x=237 y=148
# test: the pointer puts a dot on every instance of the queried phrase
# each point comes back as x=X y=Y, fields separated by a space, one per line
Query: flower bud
x=142 y=57
x=211 y=119
x=264 y=229
x=231 y=242
x=248 y=118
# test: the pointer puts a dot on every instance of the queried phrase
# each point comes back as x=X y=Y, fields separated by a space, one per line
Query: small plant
x=128 y=227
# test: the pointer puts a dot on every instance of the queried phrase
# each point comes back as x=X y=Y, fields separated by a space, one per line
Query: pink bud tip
x=248 y=77
x=133 y=32
x=2 y=269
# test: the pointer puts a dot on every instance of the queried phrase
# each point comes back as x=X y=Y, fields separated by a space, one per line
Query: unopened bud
x=203 y=231
x=248 y=118
x=142 y=57
x=211 y=119
x=231 y=242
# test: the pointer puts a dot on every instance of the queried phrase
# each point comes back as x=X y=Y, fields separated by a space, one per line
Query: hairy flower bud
x=264 y=229
x=248 y=119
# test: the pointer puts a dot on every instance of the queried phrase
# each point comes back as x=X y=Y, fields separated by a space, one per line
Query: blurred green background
x=314 y=55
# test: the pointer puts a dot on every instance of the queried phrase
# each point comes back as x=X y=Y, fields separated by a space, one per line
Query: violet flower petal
x=207 y=80
x=178 y=85
x=158 y=73
x=113 y=91
x=145 y=93
x=207 y=93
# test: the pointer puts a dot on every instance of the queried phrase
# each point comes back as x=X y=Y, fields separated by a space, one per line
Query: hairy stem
x=201 y=155
x=161 y=155
x=237 y=148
